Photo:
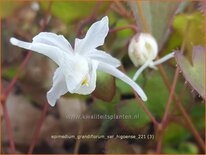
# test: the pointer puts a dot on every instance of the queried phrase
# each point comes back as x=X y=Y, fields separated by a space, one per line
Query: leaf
x=175 y=134
x=198 y=110
x=115 y=146
x=158 y=17
x=134 y=115
x=157 y=94
x=105 y=87
x=195 y=30
x=103 y=107
x=194 y=73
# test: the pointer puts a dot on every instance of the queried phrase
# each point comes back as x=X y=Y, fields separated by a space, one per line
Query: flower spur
x=77 y=67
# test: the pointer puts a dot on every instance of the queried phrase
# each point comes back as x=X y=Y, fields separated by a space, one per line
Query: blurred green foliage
x=137 y=118
x=108 y=98
x=195 y=30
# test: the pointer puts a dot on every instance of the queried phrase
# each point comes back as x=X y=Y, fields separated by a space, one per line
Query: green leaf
x=194 y=73
x=105 y=87
x=194 y=33
x=175 y=134
x=197 y=113
x=157 y=94
x=115 y=146
x=134 y=115
x=195 y=29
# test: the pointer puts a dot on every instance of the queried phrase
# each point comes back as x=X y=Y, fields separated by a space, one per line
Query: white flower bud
x=143 y=47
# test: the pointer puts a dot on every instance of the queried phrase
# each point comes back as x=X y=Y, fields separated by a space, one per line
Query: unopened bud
x=143 y=47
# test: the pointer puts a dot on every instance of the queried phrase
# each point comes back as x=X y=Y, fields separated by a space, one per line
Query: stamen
x=85 y=82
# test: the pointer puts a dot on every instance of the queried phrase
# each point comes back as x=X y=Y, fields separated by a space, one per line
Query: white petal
x=104 y=57
x=139 y=71
x=117 y=73
x=53 y=40
x=95 y=37
x=163 y=59
x=52 y=52
x=88 y=89
x=75 y=69
x=58 y=89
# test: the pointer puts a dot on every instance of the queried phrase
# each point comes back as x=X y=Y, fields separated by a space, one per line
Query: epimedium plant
x=77 y=72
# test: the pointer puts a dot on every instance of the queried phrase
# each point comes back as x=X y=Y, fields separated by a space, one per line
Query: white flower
x=77 y=67
x=142 y=50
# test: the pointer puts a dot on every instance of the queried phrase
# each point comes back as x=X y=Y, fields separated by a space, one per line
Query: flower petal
x=95 y=37
x=52 y=52
x=139 y=71
x=58 y=89
x=84 y=89
x=163 y=59
x=53 y=40
x=75 y=69
x=104 y=57
x=118 y=74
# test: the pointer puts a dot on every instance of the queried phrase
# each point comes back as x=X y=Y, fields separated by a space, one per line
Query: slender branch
x=19 y=71
x=152 y=118
x=133 y=27
x=175 y=78
x=176 y=99
x=38 y=129
x=160 y=139
x=182 y=110
x=8 y=128
x=170 y=96
x=163 y=123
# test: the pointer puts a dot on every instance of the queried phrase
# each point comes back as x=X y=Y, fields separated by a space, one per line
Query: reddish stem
x=152 y=118
x=12 y=84
x=26 y=59
x=20 y=69
x=8 y=128
x=182 y=110
x=164 y=119
x=38 y=129
x=159 y=141
x=170 y=96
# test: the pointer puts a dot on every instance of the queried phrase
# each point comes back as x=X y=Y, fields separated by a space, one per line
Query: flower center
x=85 y=82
